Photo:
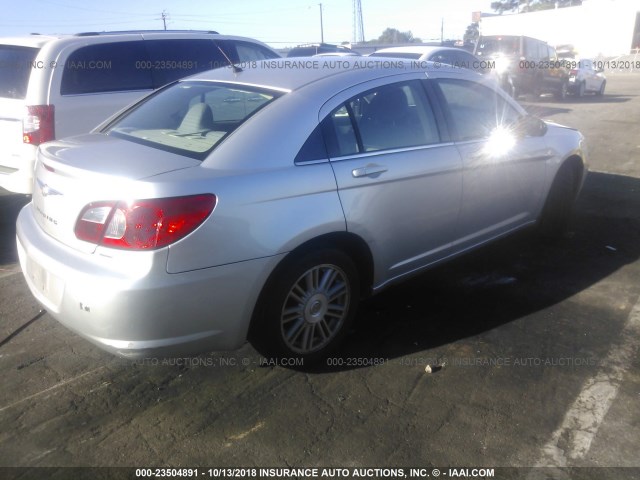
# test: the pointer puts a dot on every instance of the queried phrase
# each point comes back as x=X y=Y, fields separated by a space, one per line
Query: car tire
x=601 y=91
x=562 y=93
x=307 y=307
x=581 y=90
x=558 y=206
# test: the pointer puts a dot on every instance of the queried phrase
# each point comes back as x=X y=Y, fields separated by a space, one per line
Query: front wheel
x=601 y=91
x=308 y=306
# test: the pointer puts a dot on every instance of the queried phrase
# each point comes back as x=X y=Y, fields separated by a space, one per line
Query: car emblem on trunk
x=46 y=189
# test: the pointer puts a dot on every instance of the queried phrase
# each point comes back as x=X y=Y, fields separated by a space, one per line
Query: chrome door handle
x=368 y=171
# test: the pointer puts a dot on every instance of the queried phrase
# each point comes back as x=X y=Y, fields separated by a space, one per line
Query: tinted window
x=407 y=55
x=466 y=60
x=392 y=116
x=171 y=60
x=341 y=136
x=107 y=67
x=442 y=57
x=531 y=48
x=475 y=109
x=314 y=148
x=506 y=45
x=248 y=52
x=190 y=118
x=15 y=68
x=302 y=52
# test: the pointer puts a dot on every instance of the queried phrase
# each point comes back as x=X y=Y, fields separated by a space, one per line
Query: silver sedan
x=264 y=203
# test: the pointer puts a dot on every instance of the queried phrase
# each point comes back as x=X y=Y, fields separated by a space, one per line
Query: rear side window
x=170 y=60
x=505 y=45
x=16 y=64
x=474 y=109
x=107 y=67
x=248 y=52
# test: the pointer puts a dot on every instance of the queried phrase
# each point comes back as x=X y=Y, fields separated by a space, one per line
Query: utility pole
x=321 y=27
x=164 y=19
x=441 y=31
x=358 y=25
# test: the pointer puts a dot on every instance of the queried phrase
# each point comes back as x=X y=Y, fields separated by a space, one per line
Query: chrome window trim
x=390 y=151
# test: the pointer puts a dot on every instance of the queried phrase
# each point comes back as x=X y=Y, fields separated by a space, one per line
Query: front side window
x=388 y=117
x=107 y=67
x=474 y=109
x=190 y=118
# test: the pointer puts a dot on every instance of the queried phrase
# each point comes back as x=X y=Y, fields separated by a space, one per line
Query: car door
x=504 y=171
x=399 y=179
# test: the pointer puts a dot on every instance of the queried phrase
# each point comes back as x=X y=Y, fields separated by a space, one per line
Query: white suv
x=58 y=86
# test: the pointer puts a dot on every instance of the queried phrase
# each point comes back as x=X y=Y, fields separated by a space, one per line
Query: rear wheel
x=308 y=306
x=581 y=90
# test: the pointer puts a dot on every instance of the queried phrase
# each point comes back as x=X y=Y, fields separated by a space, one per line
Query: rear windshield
x=505 y=45
x=16 y=64
x=190 y=118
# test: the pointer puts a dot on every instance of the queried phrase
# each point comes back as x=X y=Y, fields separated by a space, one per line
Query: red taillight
x=143 y=224
x=38 y=124
x=573 y=72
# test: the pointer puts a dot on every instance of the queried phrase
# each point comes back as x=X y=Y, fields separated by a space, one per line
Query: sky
x=279 y=23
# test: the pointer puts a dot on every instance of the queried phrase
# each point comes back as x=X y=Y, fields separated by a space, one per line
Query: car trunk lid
x=72 y=173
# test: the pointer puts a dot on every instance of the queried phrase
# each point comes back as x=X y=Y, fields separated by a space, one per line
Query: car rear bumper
x=139 y=310
x=16 y=169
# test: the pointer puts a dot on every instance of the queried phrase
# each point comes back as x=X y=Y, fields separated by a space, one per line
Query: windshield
x=191 y=118
x=505 y=45
x=15 y=67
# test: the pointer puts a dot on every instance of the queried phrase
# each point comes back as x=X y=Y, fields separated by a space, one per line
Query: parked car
x=264 y=204
x=584 y=78
x=456 y=57
x=56 y=86
x=525 y=65
x=311 y=49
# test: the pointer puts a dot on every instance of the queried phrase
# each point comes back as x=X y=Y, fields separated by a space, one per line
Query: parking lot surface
x=533 y=349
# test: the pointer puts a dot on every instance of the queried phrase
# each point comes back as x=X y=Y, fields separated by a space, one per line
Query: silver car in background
x=264 y=203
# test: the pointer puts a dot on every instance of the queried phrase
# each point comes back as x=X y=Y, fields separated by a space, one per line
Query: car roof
x=292 y=73
x=35 y=41
x=38 y=41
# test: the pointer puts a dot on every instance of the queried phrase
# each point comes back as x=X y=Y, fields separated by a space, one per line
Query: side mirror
x=530 y=126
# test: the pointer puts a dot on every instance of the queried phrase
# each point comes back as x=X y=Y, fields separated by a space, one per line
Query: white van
x=58 y=86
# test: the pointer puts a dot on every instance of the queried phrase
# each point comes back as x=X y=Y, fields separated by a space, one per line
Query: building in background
x=597 y=28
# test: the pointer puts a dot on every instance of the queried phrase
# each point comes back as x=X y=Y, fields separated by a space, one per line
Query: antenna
x=234 y=67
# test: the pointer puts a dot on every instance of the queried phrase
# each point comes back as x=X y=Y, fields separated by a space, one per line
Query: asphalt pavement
x=533 y=349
